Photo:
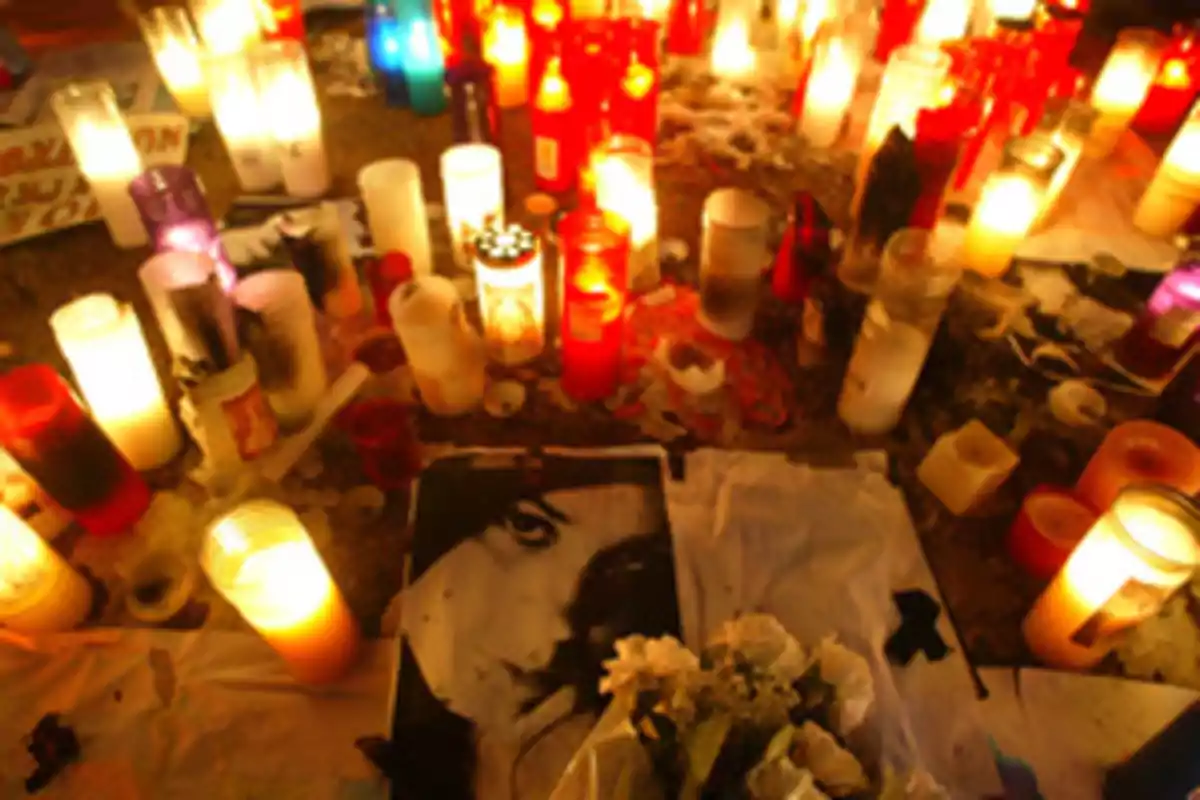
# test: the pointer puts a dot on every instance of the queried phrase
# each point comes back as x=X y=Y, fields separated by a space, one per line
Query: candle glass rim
x=95 y=314
x=470 y=160
x=1036 y=155
x=729 y=207
x=405 y=293
x=1180 y=507
x=383 y=172
x=75 y=97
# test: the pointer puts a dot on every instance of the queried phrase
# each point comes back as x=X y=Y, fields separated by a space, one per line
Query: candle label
x=250 y=422
x=586 y=319
x=1133 y=603
x=545 y=151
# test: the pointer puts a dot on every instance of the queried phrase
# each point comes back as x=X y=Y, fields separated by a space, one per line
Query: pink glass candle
x=1167 y=327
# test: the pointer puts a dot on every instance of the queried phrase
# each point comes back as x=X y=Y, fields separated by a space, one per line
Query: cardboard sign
x=41 y=189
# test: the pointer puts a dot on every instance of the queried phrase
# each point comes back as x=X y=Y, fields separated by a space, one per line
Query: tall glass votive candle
x=1160 y=341
x=179 y=58
x=39 y=592
x=506 y=48
x=897 y=22
x=242 y=122
x=594 y=249
x=289 y=99
x=1069 y=130
x=57 y=444
x=226 y=26
x=555 y=164
x=395 y=203
x=829 y=89
x=733 y=255
x=176 y=215
x=1010 y=202
x=262 y=560
x=473 y=190
x=1122 y=86
x=105 y=154
x=424 y=67
x=103 y=342
x=1174 y=191
x=512 y=293
x=913 y=79
x=943 y=21
x=624 y=174
x=445 y=353
x=1140 y=451
x=732 y=57
x=897 y=331
x=1138 y=553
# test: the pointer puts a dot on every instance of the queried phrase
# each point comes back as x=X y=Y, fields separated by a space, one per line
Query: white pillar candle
x=242 y=122
x=1174 y=191
x=733 y=254
x=293 y=376
x=395 y=203
x=1122 y=86
x=912 y=80
x=445 y=354
x=829 y=92
x=226 y=26
x=966 y=466
x=103 y=342
x=289 y=99
x=1136 y=555
x=473 y=191
x=512 y=293
x=167 y=272
x=105 y=154
x=624 y=170
x=732 y=58
x=179 y=58
x=39 y=592
x=262 y=560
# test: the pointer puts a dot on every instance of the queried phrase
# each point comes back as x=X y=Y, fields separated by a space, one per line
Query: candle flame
x=554 y=94
x=507 y=42
x=731 y=52
x=816 y=12
x=1013 y=9
x=547 y=14
x=1174 y=74
x=638 y=80
x=786 y=13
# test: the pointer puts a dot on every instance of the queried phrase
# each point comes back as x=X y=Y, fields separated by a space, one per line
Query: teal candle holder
x=424 y=69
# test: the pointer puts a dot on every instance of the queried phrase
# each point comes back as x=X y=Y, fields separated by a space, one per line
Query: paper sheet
x=205 y=715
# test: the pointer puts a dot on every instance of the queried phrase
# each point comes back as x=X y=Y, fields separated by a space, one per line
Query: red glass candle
x=283 y=19
x=634 y=107
x=897 y=22
x=382 y=432
x=595 y=262
x=687 y=26
x=590 y=68
x=939 y=133
x=555 y=137
x=448 y=16
x=546 y=18
x=1049 y=526
x=45 y=430
x=1176 y=84
x=383 y=276
x=805 y=253
x=1058 y=30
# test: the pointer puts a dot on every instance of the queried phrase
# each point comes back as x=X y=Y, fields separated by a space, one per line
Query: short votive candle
x=473 y=191
x=226 y=26
x=1174 y=191
x=39 y=592
x=624 y=174
x=512 y=293
x=395 y=203
x=289 y=99
x=179 y=58
x=1122 y=86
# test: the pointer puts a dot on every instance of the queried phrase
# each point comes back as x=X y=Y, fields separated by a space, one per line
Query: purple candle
x=1168 y=327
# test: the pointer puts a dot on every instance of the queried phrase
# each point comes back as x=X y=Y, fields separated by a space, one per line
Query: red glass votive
x=383 y=436
x=897 y=22
x=48 y=433
x=687 y=27
x=1175 y=86
x=594 y=249
x=634 y=105
x=805 y=253
x=1049 y=526
x=284 y=20
x=545 y=26
x=556 y=138
x=939 y=133
x=383 y=276
x=590 y=68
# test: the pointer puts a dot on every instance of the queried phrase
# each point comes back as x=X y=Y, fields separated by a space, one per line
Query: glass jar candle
x=732 y=57
x=422 y=58
x=1069 y=128
x=943 y=21
x=1122 y=86
x=1010 y=202
x=897 y=331
x=512 y=293
x=179 y=58
x=1174 y=191
x=242 y=122
x=624 y=172
x=1160 y=341
x=395 y=203
x=1176 y=85
x=913 y=79
x=289 y=100
x=897 y=23
x=384 y=36
x=56 y=443
x=283 y=19
x=1138 y=553
x=473 y=191
x=226 y=26
x=39 y=592
x=733 y=254
x=829 y=89
x=555 y=159
x=506 y=48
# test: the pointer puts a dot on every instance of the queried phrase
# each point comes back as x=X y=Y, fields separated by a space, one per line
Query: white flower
x=834 y=767
x=762 y=641
x=780 y=779
x=850 y=675
x=642 y=662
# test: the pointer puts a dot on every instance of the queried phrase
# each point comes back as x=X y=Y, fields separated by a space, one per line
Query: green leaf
x=780 y=744
x=704 y=744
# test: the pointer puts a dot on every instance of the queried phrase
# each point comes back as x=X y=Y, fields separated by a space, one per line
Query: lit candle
x=1137 y=452
x=1070 y=132
x=732 y=57
x=943 y=20
x=1011 y=12
x=966 y=466
x=506 y=48
x=1122 y=86
x=424 y=68
x=512 y=294
x=39 y=593
x=1174 y=191
x=1050 y=525
x=913 y=79
x=686 y=27
x=829 y=90
x=633 y=103
x=226 y=26
x=624 y=174
x=473 y=191
x=262 y=560
x=594 y=249
x=177 y=53
x=1160 y=341
x=1136 y=555
x=289 y=99
x=384 y=36
x=391 y=191
x=1176 y=84
x=103 y=342
x=55 y=442
x=445 y=353
x=554 y=159
x=283 y=19
x=179 y=285
x=242 y=121
x=588 y=9
x=733 y=254
x=897 y=21
x=105 y=154
x=1008 y=205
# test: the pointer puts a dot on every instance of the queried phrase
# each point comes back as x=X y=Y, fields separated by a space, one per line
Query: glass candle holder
x=512 y=293
x=1139 y=452
x=624 y=172
x=260 y=558
x=446 y=355
x=1069 y=129
x=1136 y=555
x=473 y=190
x=506 y=48
x=687 y=27
x=829 y=89
x=422 y=61
x=194 y=313
x=104 y=345
x=1160 y=341
x=384 y=36
x=242 y=122
x=1175 y=87
x=57 y=444
x=594 y=248
x=175 y=213
x=395 y=203
x=732 y=58
x=897 y=331
x=937 y=146
x=897 y=23
x=283 y=19
x=105 y=154
x=226 y=26
x=1122 y=86
x=39 y=592
x=1174 y=191
x=1010 y=202
x=555 y=152
x=474 y=112
x=289 y=99
x=180 y=60
x=733 y=254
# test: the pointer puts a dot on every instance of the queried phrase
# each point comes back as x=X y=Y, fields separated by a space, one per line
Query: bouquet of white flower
x=755 y=716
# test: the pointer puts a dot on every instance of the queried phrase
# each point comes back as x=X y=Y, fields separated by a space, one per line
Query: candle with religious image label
x=473 y=191
x=512 y=294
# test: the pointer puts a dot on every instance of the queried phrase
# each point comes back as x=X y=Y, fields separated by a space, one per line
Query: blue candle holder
x=385 y=50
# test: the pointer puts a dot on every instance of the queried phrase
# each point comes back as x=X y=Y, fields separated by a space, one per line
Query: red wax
x=382 y=432
x=897 y=23
x=46 y=431
x=687 y=27
x=805 y=253
x=937 y=144
x=595 y=256
x=384 y=276
x=1050 y=525
x=634 y=106
x=285 y=20
x=1176 y=84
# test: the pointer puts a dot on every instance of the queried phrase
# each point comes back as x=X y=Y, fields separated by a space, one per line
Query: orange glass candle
x=1136 y=452
x=506 y=48
x=555 y=148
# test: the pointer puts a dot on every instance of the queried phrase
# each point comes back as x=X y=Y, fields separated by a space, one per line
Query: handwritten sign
x=41 y=188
